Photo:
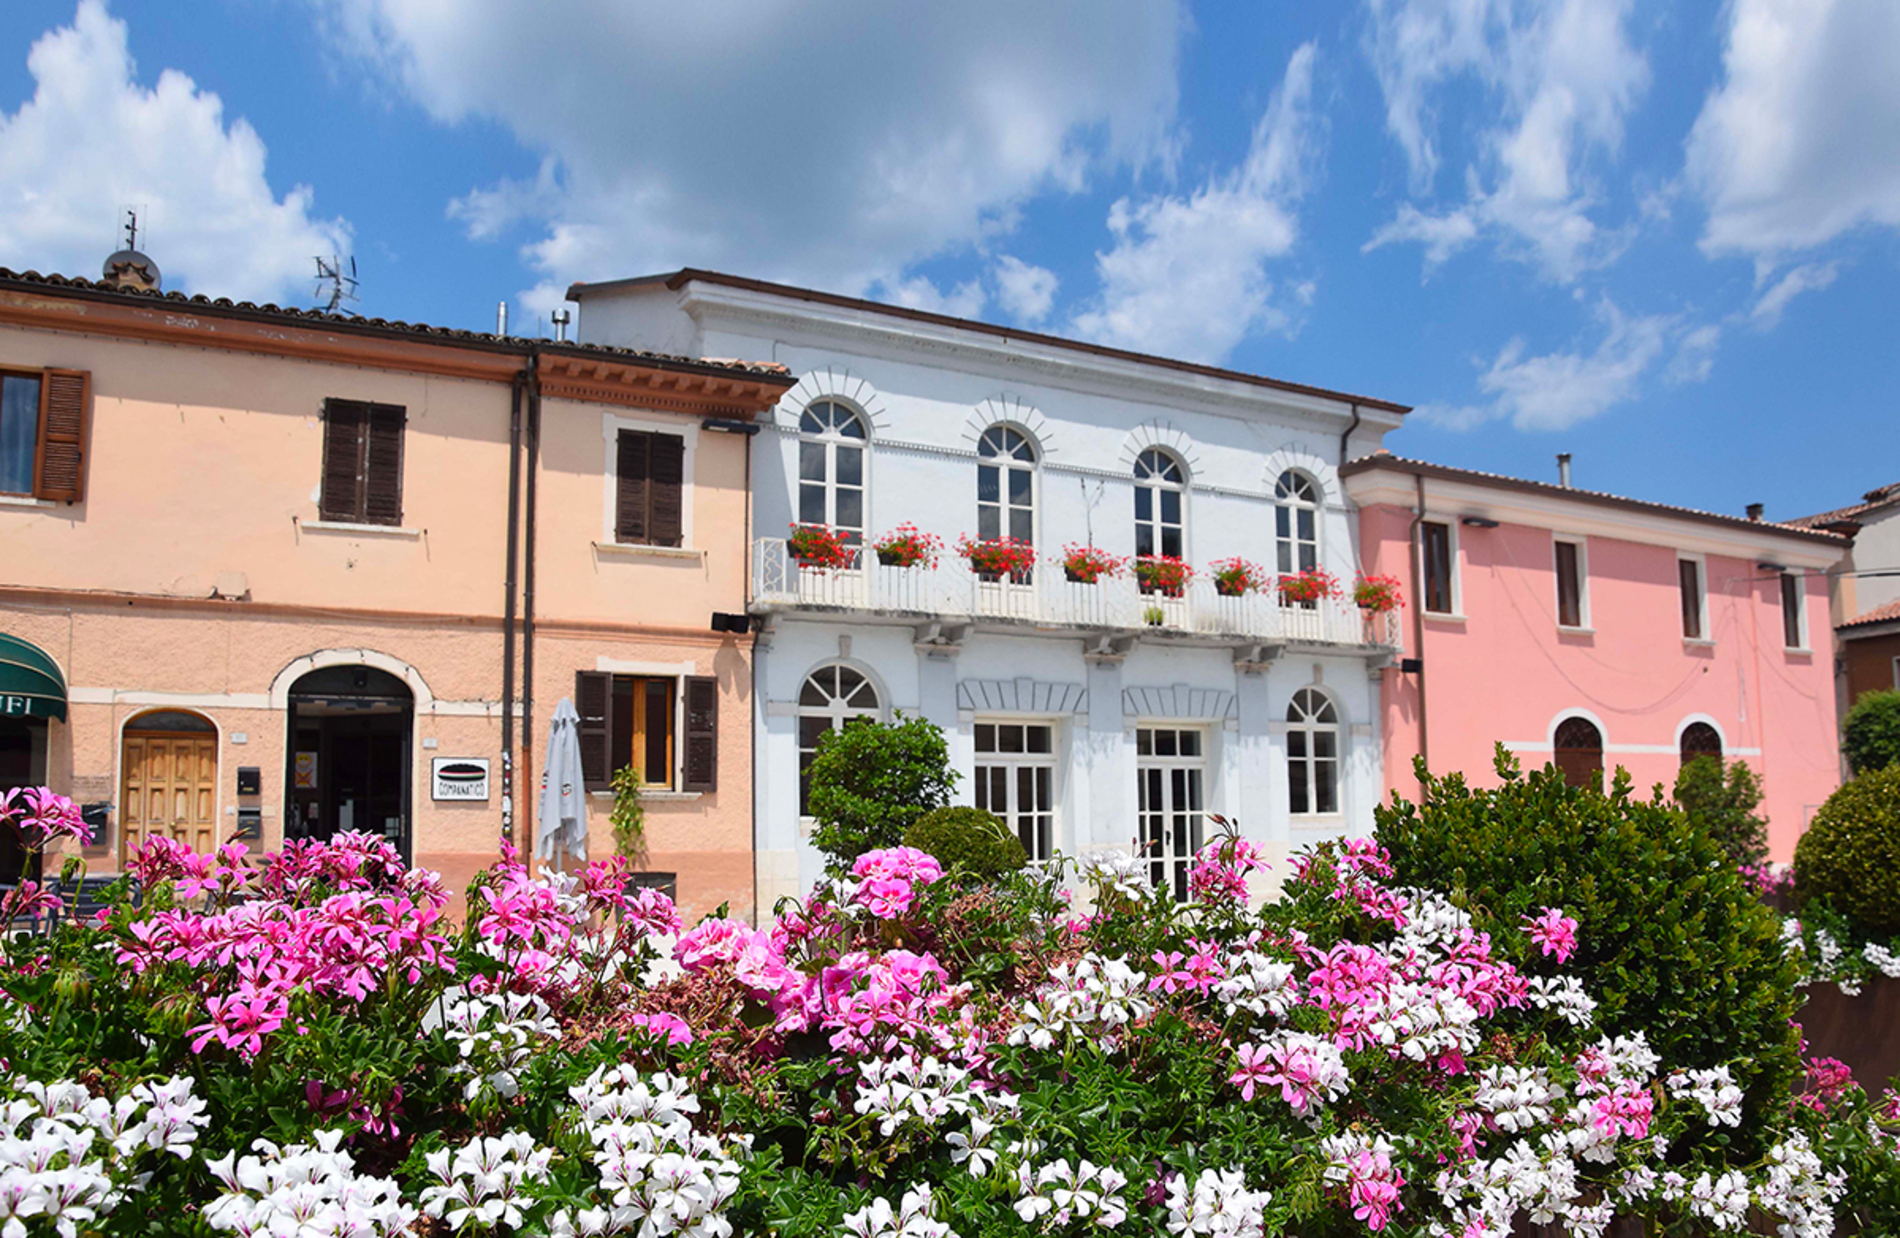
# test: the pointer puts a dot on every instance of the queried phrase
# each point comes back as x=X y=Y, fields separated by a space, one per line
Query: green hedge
x=967 y=838
x=1850 y=857
x=1870 y=734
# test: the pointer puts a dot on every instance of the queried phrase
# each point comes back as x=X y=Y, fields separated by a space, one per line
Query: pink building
x=1598 y=631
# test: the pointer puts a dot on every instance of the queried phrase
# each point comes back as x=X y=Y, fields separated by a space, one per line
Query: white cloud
x=833 y=144
x=1026 y=292
x=1557 y=390
x=1800 y=142
x=1695 y=356
x=966 y=300
x=1564 y=76
x=92 y=141
x=1810 y=277
x=1186 y=276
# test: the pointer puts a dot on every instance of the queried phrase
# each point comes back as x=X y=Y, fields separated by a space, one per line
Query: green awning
x=30 y=683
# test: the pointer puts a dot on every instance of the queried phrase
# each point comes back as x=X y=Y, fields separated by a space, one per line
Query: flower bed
x=910 y=1052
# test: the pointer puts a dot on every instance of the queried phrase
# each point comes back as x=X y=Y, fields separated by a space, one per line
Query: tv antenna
x=131 y=227
x=333 y=286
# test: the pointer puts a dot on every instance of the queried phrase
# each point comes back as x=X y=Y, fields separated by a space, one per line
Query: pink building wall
x=1504 y=671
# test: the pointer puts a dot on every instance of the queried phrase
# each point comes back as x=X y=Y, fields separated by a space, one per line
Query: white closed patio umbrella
x=562 y=821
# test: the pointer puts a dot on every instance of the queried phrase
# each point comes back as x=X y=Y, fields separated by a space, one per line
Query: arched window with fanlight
x=1295 y=524
x=1006 y=485
x=831 y=697
x=1699 y=739
x=831 y=472
x=1159 y=486
x=1312 y=754
x=1579 y=752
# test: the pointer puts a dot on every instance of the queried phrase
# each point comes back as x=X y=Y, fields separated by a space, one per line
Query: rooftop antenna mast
x=333 y=286
x=131 y=227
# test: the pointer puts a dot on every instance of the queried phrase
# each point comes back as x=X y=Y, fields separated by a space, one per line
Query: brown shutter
x=65 y=423
x=630 y=471
x=593 y=701
x=382 y=465
x=344 y=422
x=666 y=464
x=702 y=734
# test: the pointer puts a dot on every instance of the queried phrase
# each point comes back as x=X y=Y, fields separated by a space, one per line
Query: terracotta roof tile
x=386 y=326
x=1873 y=500
x=1879 y=614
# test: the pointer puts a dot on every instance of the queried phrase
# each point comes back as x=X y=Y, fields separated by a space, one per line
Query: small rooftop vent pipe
x=1754 y=511
x=561 y=318
x=1563 y=469
x=501 y=318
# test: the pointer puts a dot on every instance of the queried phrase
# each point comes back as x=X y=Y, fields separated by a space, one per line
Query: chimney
x=1563 y=469
x=1754 y=512
x=561 y=318
x=501 y=318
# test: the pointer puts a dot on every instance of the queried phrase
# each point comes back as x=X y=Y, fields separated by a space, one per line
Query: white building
x=1089 y=716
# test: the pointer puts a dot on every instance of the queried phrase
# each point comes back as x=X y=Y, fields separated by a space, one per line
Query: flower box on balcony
x=1377 y=594
x=997 y=558
x=1235 y=577
x=1308 y=587
x=904 y=546
x=1085 y=565
x=1163 y=574
x=819 y=546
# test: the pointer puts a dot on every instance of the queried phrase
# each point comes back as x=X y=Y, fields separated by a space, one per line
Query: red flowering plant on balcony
x=1309 y=586
x=1087 y=564
x=904 y=546
x=993 y=558
x=1233 y=577
x=1377 y=594
x=820 y=546
x=1163 y=574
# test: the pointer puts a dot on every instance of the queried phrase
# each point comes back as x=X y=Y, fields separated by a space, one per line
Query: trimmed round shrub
x=1671 y=941
x=1850 y=856
x=967 y=838
x=871 y=780
x=1870 y=734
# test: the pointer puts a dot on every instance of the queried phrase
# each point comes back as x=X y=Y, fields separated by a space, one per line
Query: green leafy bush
x=1850 y=856
x=1673 y=943
x=629 y=816
x=1870 y=734
x=967 y=838
x=871 y=780
x=1721 y=801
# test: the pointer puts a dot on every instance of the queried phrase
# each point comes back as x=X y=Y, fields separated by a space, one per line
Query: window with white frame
x=1296 y=524
x=1160 y=484
x=1312 y=754
x=1794 y=630
x=1572 y=566
x=1005 y=485
x=831 y=446
x=1695 y=604
x=1015 y=780
x=1170 y=774
x=1438 y=559
x=831 y=697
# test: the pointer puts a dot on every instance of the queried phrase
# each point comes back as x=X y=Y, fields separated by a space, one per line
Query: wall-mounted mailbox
x=250 y=822
x=95 y=813
x=250 y=780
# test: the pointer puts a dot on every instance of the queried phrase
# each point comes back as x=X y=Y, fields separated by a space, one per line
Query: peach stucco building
x=1597 y=631
x=273 y=567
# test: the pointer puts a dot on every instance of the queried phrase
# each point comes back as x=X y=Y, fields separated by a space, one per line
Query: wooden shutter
x=65 y=423
x=630 y=472
x=702 y=734
x=382 y=465
x=344 y=426
x=593 y=701
x=666 y=459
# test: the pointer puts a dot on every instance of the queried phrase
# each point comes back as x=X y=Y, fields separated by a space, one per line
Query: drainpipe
x=527 y=589
x=1347 y=436
x=1418 y=617
x=509 y=582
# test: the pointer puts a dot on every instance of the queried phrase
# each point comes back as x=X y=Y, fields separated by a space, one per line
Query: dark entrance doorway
x=22 y=764
x=349 y=764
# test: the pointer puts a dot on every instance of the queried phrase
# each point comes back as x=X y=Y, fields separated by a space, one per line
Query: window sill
x=656 y=795
x=1317 y=819
x=1566 y=630
x=1798 y=652
x=1433 y=616
x=635 y=550
x=1697 y=642
x=24 y=500
x=373 y=530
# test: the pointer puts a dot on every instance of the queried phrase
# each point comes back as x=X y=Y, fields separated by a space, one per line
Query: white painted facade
x=1083 y=660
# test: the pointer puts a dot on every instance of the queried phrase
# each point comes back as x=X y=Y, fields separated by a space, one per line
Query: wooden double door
x=169 y=789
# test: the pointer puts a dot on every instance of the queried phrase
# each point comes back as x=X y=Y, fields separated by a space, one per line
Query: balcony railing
x=1048 y=598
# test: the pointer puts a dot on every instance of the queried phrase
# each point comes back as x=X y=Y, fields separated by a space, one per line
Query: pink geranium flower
x=1553 y=932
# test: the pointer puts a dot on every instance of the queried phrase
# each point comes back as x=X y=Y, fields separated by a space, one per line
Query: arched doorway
x=1580 y=752
x=168 y=781
x=1699 y=739
x=348 y=762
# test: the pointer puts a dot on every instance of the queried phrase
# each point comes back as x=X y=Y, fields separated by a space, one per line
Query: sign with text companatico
x=458 y=778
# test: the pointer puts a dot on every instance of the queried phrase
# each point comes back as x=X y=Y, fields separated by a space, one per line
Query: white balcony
x=1048 y=600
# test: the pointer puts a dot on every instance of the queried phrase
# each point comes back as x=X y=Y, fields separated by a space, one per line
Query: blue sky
x=1660 y=236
